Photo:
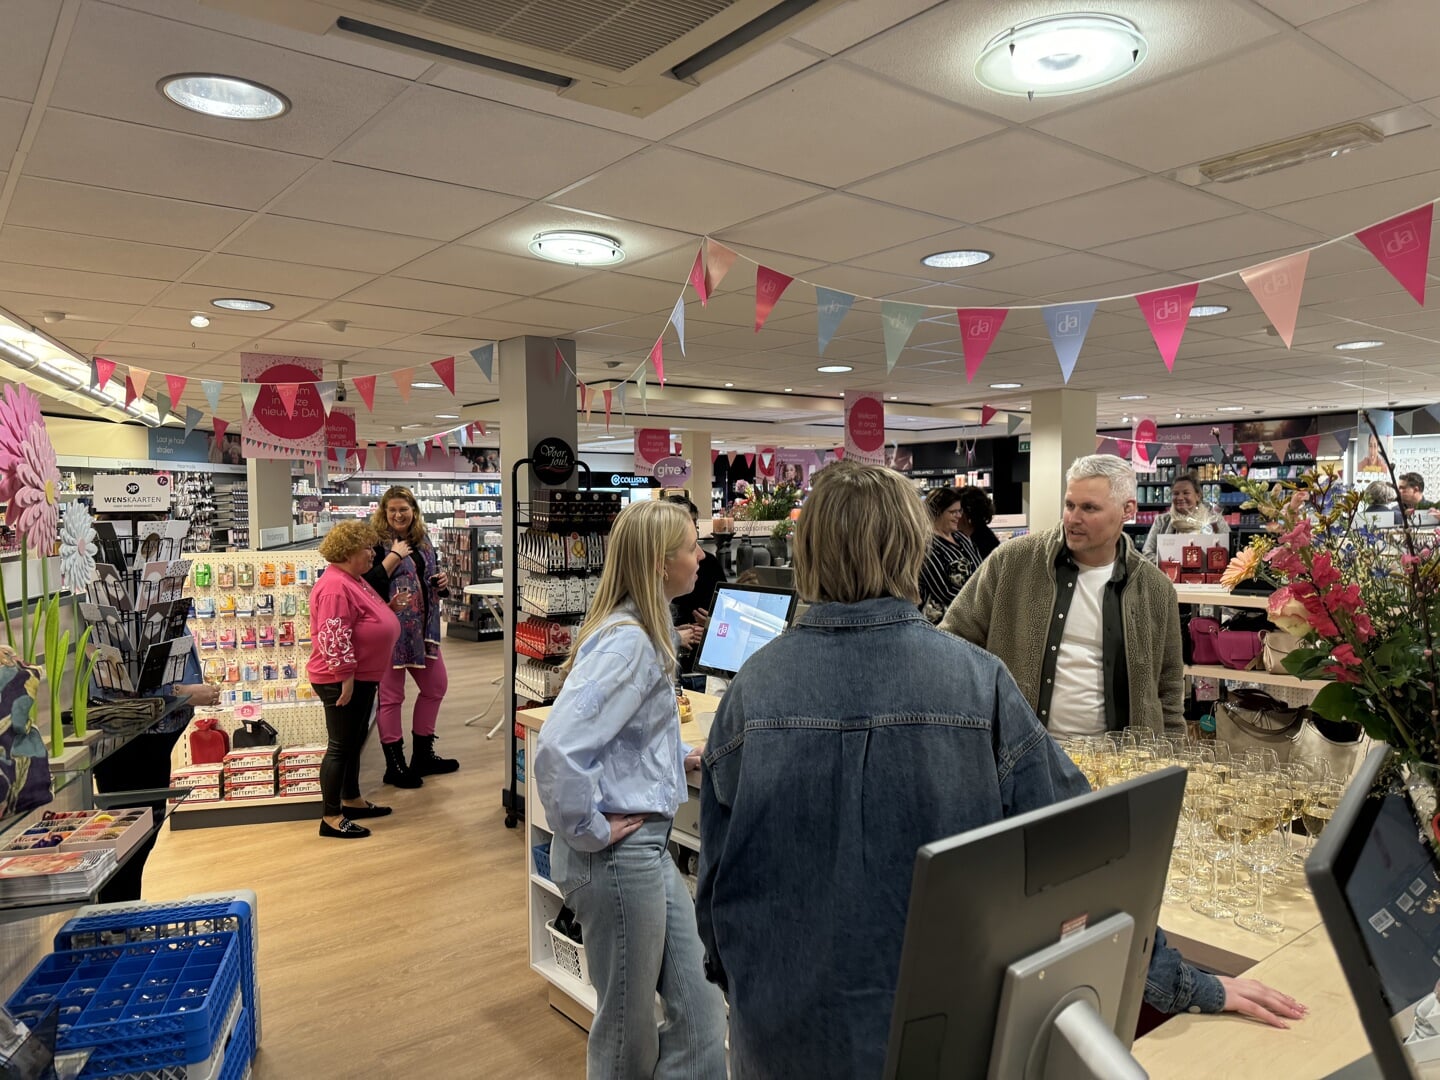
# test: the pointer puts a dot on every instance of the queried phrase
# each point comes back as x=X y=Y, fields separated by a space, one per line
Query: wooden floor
x=404 y=954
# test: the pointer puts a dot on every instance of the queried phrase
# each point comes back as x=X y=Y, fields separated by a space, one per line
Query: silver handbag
x=1252 y=718
x=1278 y=645
x=1340 y=757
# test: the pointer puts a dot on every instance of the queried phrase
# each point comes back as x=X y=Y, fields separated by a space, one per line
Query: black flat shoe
x=348 y=830
x=368 y=810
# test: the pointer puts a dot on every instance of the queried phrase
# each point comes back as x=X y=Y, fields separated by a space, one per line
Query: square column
x=1062 y=428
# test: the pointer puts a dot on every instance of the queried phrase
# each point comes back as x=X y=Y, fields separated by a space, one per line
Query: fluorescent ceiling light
x=1230 y=408
x=951 y=259
x=729 y=384
x=1006 y=385
x=224 y=96
x=834 y=369
x=1204 y=311
x=788 y=390
x=428 y=385
x=240 y=303
x=199 y=322
x=1329 y=143
x=1356 y=346
x=1061 y=54
x=1134 y=397
x=447 y=416
x=578 y=248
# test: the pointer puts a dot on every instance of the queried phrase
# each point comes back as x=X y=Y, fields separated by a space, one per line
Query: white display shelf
x=546 y=884
x=232 y=804
x=1265 y=678
x=1219 y=596
x=574 y=987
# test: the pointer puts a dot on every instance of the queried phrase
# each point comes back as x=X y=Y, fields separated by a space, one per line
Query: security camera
x=340 y=391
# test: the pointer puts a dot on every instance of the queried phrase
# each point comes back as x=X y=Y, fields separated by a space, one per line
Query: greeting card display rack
x=470 y=555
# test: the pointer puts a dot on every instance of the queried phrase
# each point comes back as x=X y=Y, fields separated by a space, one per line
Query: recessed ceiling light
x=834 y=369
x=1230 y=408
x=788 y=390
x=1204 y=311
x=428 y=385
x=1061 y=54
x=1006 y=385
x=199 y=321
x=407 y=427
x=894 y=397
x=1356 y=346
x=239 y=303
x=948 y=260
x=1134 y=397
x=729 y=384
x=224 y=96
x=447 y=416
x=578 y=248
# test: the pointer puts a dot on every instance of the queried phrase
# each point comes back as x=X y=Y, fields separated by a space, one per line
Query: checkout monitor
x=742 y=619
x=1041 y=970
x=1376 y=882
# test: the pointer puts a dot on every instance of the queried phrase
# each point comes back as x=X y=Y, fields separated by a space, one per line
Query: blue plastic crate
x=240 y=1050
x=203 y=913
x=142 y=1005
x=541 y=854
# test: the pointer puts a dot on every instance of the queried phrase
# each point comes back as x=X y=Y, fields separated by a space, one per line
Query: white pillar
x=695 y=445
x=1062 y=428
x=271 y=500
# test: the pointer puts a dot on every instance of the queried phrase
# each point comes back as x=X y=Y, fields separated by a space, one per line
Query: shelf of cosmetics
x=1235 y=844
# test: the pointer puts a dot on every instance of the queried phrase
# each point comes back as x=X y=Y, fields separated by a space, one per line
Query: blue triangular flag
x=340 y=455
x=192 y=417
x=677 y=319
x=212 y=388
x=831 y=306
x=1068 y=324
x=484 y=356
x=898 y=323
x=1342 y=439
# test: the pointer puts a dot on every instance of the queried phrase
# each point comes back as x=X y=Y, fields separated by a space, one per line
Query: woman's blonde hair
x=863 y=534
x=417 y=534
x=345 y=538
x=645 y=536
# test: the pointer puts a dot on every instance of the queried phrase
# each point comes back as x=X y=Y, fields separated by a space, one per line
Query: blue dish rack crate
x=201 y=913
x=541 y=854
x=145 y=1006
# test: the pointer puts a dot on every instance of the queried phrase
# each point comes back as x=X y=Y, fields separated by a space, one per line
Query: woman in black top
x=976 y=520
x=952 y=558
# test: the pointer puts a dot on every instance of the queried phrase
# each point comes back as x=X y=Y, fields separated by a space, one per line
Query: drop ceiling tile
x=155 y=162
x=95 y=211
x=669 y=187
x=1218 y=101
x=863 y=282
x=322 y=244
x=28 y=30
x=42 y=247
x=849 y=24
x=1006 y=250
x=463 y=140
x=352 y=337
x=425 y=296
x=458 y=264
x=512 y=234
x=544 y=312
x=836 y=228
x=620 y=293
x=81 y=314
x=1073 y=271
x=375 y=317
x=1347 y=211
x=1300 y=12
x=956 y=295
x=15 y=277
x=1115 y=213
x=256 y=276
x=185 y=338
x=1386 y=37
x=13 y=116
x=1229 y=240
x=464 y=334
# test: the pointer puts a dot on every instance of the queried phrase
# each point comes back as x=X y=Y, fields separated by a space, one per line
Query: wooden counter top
x=703 y=706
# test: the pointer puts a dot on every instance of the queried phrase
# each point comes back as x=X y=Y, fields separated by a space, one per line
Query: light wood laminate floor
x=404 y=954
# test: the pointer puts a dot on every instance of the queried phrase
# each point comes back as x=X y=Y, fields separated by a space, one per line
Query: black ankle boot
x=425 y=762
x=396 y=771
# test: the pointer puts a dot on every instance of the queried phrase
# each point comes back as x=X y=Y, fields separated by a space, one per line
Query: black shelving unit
x=468 y=558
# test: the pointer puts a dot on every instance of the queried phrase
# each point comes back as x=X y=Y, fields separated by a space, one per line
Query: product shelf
x=1265 y=678
x=546 y=884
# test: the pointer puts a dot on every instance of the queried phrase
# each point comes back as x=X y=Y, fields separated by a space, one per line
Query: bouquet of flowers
x=758 y=504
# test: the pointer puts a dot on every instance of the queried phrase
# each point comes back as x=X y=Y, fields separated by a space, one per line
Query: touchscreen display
x=741 y=622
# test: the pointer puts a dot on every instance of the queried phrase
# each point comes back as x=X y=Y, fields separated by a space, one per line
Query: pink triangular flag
x=288 y=391
x=718 y=260
x=713 y=455
x=1166 y=312
x=730 y=457
x=480 y=427
x=839 y=453
x=139 y=377
x=361 y=454
x=749 y=461
x=445 y=369
x=987 y=413
x=1122 y=447
x=365 y=384
x=1100 y=441
x=1402 y=245
x=220 y=426
x=1276 y=286
x=1249 y=449
x=607 y=394
x=437 y=442
x=176 y=385
x=769 y=285
x=697 y=278
x=103 y=370
x=403 y=378
x=584 y=395
x=1182 y=451
x=1312 y=443
x=657 y=358
x=978 y=328
x=394 y=458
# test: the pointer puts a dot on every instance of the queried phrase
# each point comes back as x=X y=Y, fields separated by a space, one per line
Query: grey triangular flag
x=192 y=417
x=249 y=393
x=620 y=396
x=162 y=405
x=677 y=319
x=1405 y=421
x=212 y=388
x=1012 y=422
x=327 y=395
x=484 y=356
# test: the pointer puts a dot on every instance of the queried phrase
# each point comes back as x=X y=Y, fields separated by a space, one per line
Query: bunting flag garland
x=403 y=378
x=139 y=377
x=103 y=370
x=340 y=455
x=1342 y=439
x=394 y=459
x=462 y=436
x=677 y=320
x=192 y=417
x=220 y=426
x=730 y=457
x=212 y=389
x=1249 y=449
x=978 y=329
x=484 y=358
x=749 y=461
x=1402 y=245
x=831 y=306
x=839 y=453
x=326 y=390
x=361 y=455
x=1068 y=324
x=1405 y=422
x=559 y=359
x=288 y=391
x=620 y=394
x=1107 y=446
x=445 y=371
x=1182 y=451
x=987 y=413
x=365 y=387
x=897 y=323
x=1312 y=444
x=697 y=277
x=718 y=260
x=770 y=285
x=1151 y=449
x=249 y=393
x=584 y=394
x=1276 y=286
x=640 y=382
x=1013 y=422
x=162 y=405
x=713 y=455
x=607 y=394
x=381 y=453
x=657 y=359
x=176 y=385
x=1123 y=447
x=1433 y=410
x=1167 y=311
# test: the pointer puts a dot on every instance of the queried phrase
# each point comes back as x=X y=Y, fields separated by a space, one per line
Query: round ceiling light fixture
x=1356 y=346
x=199 y=322
x=1061 y=54
x=447 y=416
x=949 y=260
x=1204 y=311
x=834 y=369
x=578 y=248
x=224 y=96
x=240 y=303
x=729 y=384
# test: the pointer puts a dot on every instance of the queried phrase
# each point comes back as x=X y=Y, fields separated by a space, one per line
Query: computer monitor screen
x=1376 y=881
x=776 y=577
x=986 y=902
x=742 y=619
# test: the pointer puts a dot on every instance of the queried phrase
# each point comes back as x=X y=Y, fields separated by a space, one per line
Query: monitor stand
x=1059 y=1007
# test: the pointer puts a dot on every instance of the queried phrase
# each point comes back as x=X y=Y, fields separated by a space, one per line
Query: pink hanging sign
x=1166 y=312
x=1276 y=287
x=978 y=329
x=1402 y=245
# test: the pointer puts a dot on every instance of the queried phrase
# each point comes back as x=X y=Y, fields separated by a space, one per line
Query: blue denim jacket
x=611 y=744
x=816 y=793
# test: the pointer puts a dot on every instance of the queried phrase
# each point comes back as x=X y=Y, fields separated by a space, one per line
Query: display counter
x=1299 y=962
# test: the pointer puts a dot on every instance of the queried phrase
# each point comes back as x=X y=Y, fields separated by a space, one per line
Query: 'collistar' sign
x=672 y=472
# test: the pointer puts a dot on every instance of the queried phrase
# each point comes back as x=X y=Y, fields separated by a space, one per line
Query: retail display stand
x=470 y=555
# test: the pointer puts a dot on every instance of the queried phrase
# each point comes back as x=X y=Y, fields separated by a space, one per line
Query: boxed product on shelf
x=299 y=772
x=84 y=830
x=537 y=680
x=299 y=787
x=197 y=775
x=293 y=756
x=542 y=638
x=252 y=757
x=558 y=510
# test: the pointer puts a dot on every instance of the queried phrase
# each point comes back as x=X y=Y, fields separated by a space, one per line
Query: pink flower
x=34 y=509
x=1345 y=654
x=1288 y=612
x=1323 y=572
x=1299 y=536
x=1319 y=619
x=1346 y=599
x=1364 y=628
x=19 y=412
x=1286 y=561
x=1342 y=674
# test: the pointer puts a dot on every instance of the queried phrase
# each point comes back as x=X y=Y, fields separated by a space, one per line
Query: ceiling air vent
x=631 y=56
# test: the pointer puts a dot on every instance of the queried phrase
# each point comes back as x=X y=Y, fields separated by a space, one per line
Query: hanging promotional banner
x=831 y=306
x=864 y=427
x=978 y=329
x=272 y=431
x=1068 y=324
x=1402 y=245
x=1369 y=465
x=651 y=444
x=1166 y=312
x=340 y=428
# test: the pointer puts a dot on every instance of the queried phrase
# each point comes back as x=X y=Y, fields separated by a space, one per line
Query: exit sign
x=1024 y=446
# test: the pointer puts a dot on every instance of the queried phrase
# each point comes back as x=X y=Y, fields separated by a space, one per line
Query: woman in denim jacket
x=610 y=769
x=840 y=748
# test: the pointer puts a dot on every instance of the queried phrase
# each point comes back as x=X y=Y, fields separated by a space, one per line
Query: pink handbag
x=1239 y=649
x=1203 y=635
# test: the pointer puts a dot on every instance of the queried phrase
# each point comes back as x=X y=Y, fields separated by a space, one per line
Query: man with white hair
x=1088 y=628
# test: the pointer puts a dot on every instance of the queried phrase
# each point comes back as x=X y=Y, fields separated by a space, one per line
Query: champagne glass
x=1208 y=810
x=1264 y=854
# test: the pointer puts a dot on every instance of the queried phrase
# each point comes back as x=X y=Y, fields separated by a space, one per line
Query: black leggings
x=346 y=725
x=142 y=764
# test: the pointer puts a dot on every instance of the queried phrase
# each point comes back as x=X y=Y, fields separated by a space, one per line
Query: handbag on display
x=256 y=733
x=208 y=744
x=1239 y=649
x=1252 y=718
x=1278 y=645
x=1341 y=746
x=1203 y=632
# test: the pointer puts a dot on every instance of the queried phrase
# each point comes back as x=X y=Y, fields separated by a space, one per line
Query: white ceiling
x=398 y=195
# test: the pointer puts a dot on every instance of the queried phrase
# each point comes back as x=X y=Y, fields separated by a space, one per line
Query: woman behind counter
x=950 y=558
x=1187 y=514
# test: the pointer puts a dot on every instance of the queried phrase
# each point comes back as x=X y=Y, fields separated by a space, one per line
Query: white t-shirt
x=1077 y=707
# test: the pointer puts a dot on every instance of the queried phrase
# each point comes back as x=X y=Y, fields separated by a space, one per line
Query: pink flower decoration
x=19 y=412
x=1346 y=599
x=1323 y=572
x=1342 y=674
x=1345 y=654
x=1288 y=612
x=34 y=504
x=1320 y=620
x=1299 y=536
x=1364 y=628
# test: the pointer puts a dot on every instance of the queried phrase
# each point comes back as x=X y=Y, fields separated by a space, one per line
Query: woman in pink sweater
x=353 y=632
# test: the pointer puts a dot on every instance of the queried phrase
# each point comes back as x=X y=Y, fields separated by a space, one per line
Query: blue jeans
x=640 y=937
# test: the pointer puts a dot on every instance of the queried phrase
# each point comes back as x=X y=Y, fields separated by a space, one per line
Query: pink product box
x=207 y=793
x=240 y=777
x=252 y=757
x=302 y=772
x=301 y=755
x=251 y=791
x=300 y=787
